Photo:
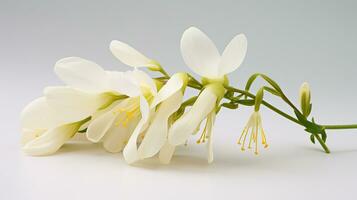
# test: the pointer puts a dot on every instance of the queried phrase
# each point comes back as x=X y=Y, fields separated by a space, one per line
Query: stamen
x=256 y=137
x=245 y=137
x=130 y=112
x=255 y=130
x=241 y=136
x=203 y=136
x=250 y=141
x=264 y=140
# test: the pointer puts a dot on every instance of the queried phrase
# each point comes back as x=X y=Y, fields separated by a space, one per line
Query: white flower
x=44 y=129
x=204 y=107
x=202 y=56
x=120 y=124
x=125 y=123
x=169 y=100
x=253 y=130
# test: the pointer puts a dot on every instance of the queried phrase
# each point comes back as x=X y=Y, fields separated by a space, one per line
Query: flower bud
x=305 y=98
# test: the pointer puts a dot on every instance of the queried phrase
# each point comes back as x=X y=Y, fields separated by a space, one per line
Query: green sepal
x=312 y=138
x=246 y=102
x=230 y=105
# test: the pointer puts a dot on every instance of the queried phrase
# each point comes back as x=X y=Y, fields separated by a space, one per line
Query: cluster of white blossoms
x=131 y=112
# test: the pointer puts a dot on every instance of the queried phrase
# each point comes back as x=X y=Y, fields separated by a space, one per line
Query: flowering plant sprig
x=131 y=112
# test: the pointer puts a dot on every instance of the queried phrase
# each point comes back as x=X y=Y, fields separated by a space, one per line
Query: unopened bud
x=305 y=99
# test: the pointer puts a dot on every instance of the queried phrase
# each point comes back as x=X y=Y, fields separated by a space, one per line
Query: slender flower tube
x=252 y=131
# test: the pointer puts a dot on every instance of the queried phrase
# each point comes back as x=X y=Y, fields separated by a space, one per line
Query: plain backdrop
x=292 y=41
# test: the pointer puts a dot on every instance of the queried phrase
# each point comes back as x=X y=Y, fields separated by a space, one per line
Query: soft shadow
x=224 y=159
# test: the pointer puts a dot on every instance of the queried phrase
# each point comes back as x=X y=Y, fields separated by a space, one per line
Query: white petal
x=211 y=120
x=101 y=124
x=123 y=83
x=131 y=150
x=38 y=115
x=74 y=104
x=82 y=74
x=200 y=53
x=30 y=134
x=166 y=153
x=117 y=137
x=50 y=141
x=233 y=55
x=174 y=84
x=156 y=135
x=144 y=80
x=188 y=123
x=128 y=55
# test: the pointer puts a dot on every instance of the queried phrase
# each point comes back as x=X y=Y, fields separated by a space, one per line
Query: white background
x=292 y=41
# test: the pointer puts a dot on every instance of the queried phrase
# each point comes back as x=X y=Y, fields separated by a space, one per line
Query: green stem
x=347 y=126
x=268 y=105
x=322 y=143
x=193 y=83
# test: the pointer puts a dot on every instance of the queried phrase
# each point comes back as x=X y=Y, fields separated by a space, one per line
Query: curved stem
x=268 y=105
x=195 y=84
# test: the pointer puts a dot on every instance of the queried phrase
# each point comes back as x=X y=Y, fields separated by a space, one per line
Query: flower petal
x=101 y=124
x=173 y=85
x=30 y=134
x=38 y=115
x=210 y=121
x=131 y=150
x=143 y=80
x=188 y=123
x=233 y=55
x=156 y=135
x=50 y=141
x=128 y=55
x=123 y=83
x=82 y=74
x=200 y=53
x=117 y=137
x=166 y=153
x=74 y=104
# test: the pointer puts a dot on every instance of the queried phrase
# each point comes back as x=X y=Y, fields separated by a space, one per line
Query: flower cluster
x=142 y=117
x=130 y=111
